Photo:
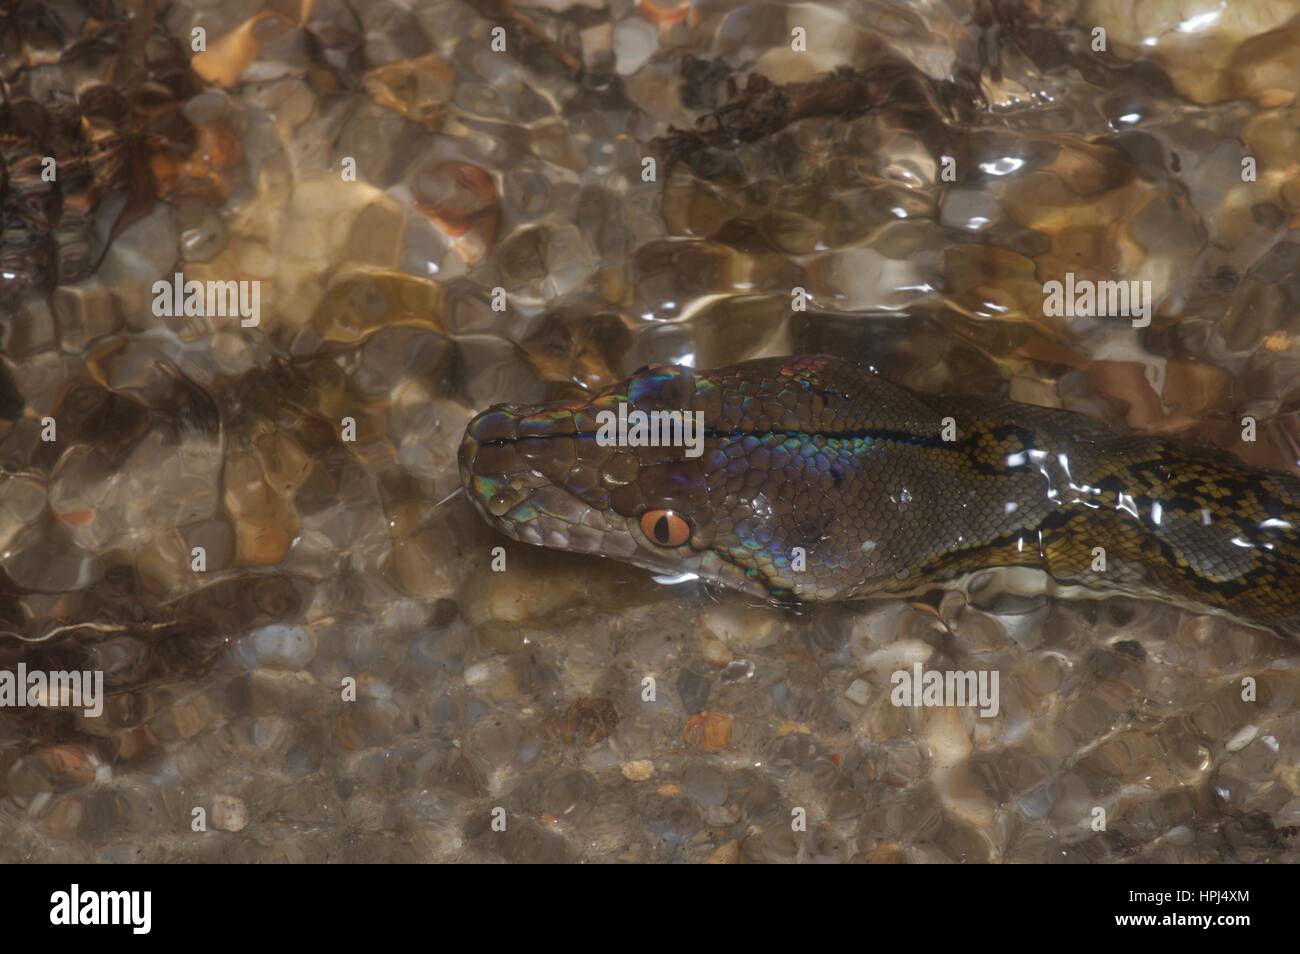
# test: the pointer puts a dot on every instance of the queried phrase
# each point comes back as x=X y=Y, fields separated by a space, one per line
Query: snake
x=814 y=477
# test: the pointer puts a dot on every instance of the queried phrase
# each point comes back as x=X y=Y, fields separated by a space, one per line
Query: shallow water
x=244 y=528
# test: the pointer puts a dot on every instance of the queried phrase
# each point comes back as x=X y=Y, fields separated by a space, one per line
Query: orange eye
x=665 y=528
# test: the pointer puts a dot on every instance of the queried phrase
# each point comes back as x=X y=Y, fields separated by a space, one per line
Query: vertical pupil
x=661 y=529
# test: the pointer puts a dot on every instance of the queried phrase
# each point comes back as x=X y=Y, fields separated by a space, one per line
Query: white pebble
x=229 y=813
x=635 y=41
x=277 y=647
x=479 y=673
x=1243 y=738
x=858 y=692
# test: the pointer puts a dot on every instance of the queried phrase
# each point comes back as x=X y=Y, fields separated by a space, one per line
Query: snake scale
x=818 y=479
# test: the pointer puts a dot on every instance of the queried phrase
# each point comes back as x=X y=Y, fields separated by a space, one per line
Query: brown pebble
x=588 y=722
x=136 y=742
x=715 y=652
x=885 y=854
x=70 y=762
x=709 y=731
x=725 y=854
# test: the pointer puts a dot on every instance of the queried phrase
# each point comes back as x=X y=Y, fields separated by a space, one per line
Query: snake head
x=580 y=476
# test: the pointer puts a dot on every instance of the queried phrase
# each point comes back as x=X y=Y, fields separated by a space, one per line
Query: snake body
x=819 y=479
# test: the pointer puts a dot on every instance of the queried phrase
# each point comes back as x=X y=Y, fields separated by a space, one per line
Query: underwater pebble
x=229 y=813
x=693 y=689
x=725 y=854
x=710 y=731
x=737 y=671
x=739 y=626
x=635 y=41
x=715 y=652
x=704 y=785
x=1243 y=738
x=858 y=692
x=483 y=672
x=277 y=647
x=588 y=722
x=639 y=770
x=522 y=597
x=1289 y=814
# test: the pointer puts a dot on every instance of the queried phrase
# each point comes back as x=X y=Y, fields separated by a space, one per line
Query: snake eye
x=665 y=528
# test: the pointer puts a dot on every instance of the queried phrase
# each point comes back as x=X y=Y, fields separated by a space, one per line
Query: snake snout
x=515 y=465
x=494 y=474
